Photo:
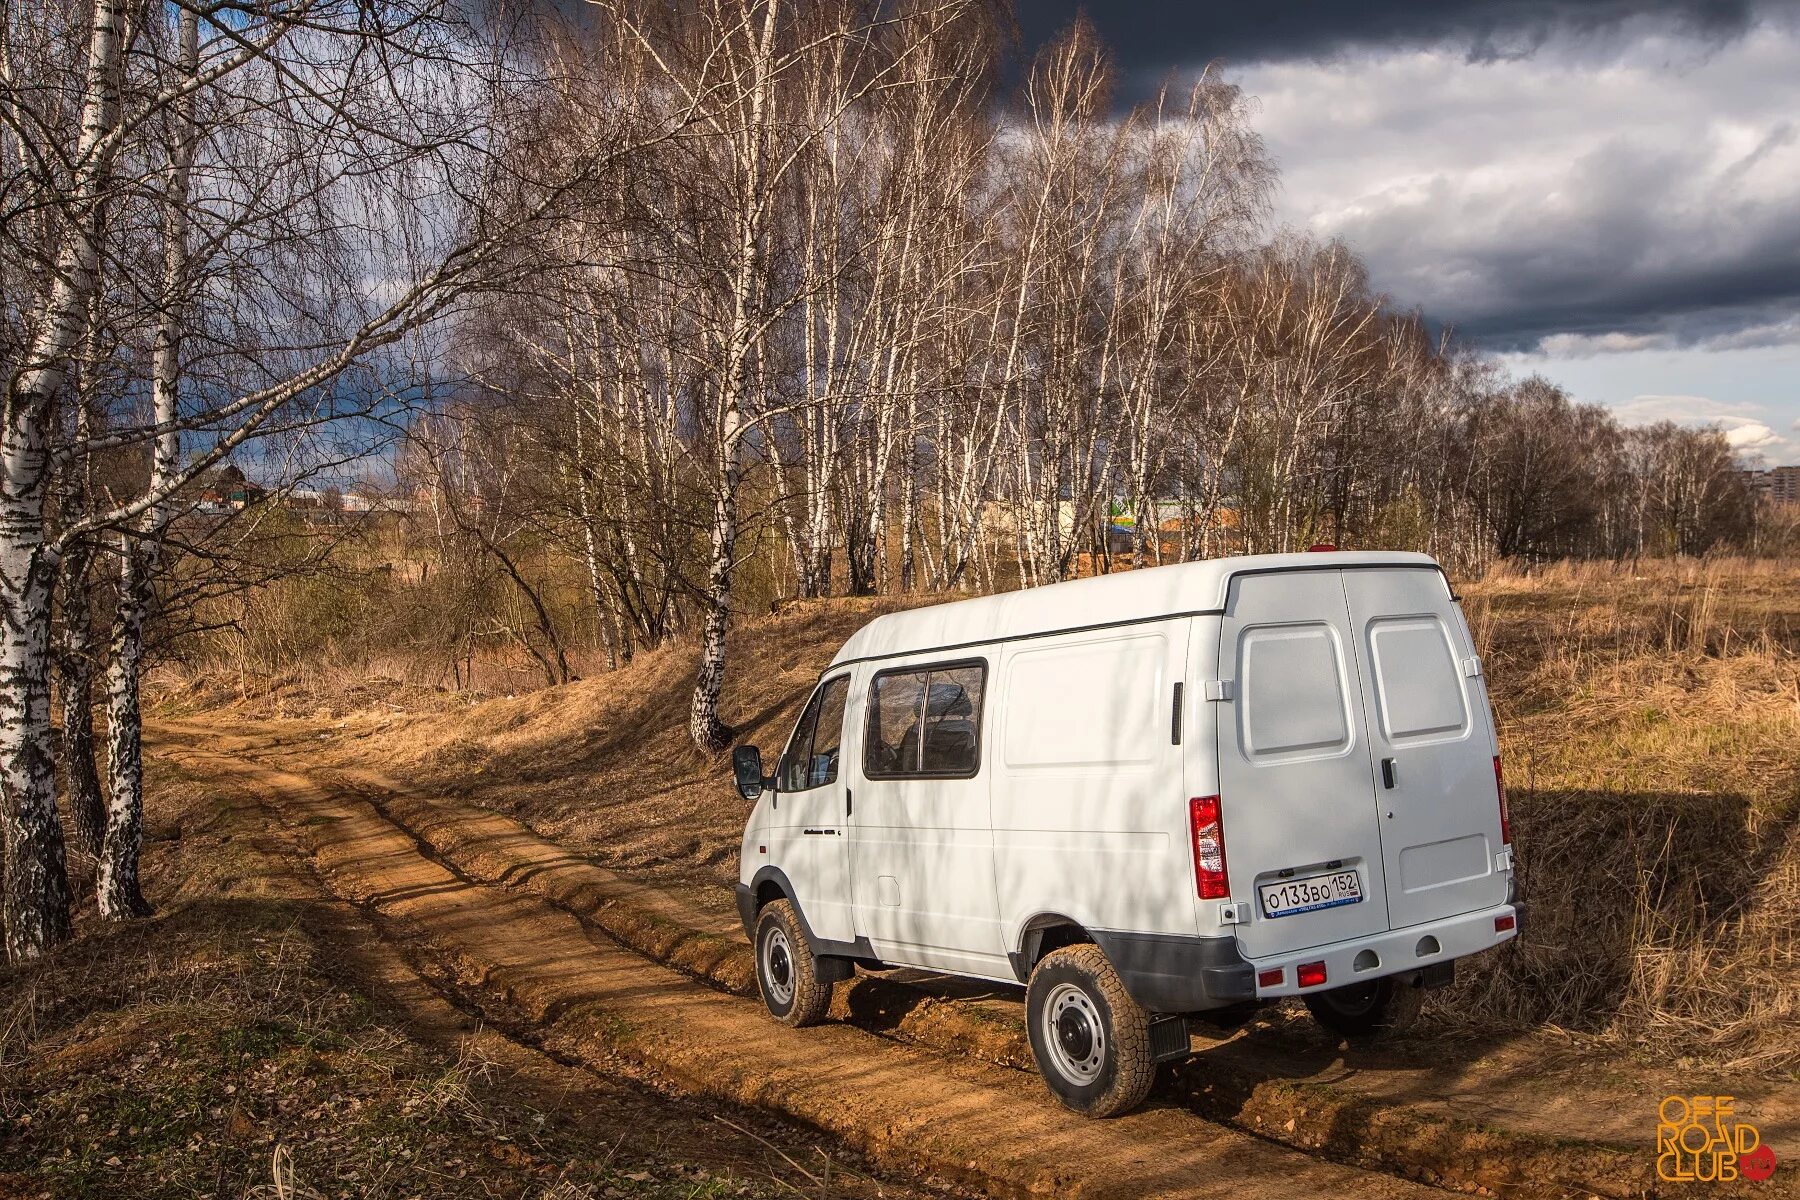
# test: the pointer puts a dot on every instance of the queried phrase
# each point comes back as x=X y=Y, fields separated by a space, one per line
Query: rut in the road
x=902 y=1107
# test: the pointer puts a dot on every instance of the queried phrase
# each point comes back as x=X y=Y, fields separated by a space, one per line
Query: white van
x=1144 y=796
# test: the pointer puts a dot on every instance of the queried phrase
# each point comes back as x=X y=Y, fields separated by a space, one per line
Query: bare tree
x=291 y=296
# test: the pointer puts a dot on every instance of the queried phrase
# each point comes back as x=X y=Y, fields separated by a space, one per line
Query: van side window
x=812 y=755
x=925 y=722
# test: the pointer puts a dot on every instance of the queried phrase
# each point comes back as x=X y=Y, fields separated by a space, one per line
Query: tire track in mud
x=903 y=1108
x=495 y=849
x=602 y=1103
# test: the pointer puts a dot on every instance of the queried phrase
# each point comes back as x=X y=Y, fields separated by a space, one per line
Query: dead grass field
x=1650 y=721
x=1649 y=716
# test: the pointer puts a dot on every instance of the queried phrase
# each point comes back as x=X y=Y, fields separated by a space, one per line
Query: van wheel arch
x=835 y=960
x=771 y=884
x=1043 y=934
x=768 y=892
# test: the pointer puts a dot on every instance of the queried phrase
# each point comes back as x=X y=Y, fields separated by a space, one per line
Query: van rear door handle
x=849 y=806
x=1387 y=773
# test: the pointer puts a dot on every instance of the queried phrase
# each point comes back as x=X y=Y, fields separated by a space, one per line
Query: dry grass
x=1650 y=721
x=605 y=764
x=210 y=1053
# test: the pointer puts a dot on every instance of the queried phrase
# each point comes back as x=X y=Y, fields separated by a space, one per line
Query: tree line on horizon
x=669 y=294
x=920 y=333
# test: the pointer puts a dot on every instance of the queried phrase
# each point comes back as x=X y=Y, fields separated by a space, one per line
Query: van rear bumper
x=1415 y=948
x=1170 y=973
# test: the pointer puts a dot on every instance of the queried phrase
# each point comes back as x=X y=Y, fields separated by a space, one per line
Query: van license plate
x=1290 y=896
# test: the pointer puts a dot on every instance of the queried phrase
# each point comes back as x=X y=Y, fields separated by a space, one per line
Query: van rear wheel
x=787 y=971
x=1090 y=1038
x=1370 y=1010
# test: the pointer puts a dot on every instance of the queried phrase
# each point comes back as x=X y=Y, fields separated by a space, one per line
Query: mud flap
x=1438 y=975
x=1168 y=1039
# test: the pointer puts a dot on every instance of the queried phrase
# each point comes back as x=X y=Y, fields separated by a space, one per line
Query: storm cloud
x=1150 y=36
x=1591 y=176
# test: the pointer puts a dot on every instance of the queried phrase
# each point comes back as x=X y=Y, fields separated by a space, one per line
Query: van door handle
x=1387 y=773
x=849 y=806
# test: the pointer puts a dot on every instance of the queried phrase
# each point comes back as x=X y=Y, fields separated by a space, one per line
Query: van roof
x=1182 y=589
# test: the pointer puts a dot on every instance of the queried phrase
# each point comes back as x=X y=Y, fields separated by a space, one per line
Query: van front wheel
x=787 y=972
x=1374 y=1009
x=1090 y=1038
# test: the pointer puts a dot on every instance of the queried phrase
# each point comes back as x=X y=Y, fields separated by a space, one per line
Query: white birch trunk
x=75 y=650
x=75 y=674
x=117 y=889
x=36 y=901
x=704 y=725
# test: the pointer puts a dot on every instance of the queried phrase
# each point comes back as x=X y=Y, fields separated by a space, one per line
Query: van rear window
x=925 y=722
x=1417 y=680
x=1293 y=702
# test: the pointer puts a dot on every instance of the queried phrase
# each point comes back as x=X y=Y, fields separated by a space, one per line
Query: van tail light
x=1505 y=817
x=1209 y=848
x=1310 y=974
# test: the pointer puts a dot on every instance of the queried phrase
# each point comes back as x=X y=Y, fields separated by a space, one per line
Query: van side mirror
x=746 y=769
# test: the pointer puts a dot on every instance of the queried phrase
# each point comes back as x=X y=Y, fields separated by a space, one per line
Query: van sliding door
x=1090 y=819
x=921 y=850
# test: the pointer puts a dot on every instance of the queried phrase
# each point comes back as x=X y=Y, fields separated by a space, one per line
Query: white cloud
x=1746 y=426
x=1757 y=336
x=1626 y=221
x=1753 y=437
x=1687 y=410
x=1586 y=345
x=1650 y=193
x=1784 y=332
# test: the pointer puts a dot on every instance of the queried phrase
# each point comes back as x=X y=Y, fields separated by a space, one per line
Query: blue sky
x=1605 y=192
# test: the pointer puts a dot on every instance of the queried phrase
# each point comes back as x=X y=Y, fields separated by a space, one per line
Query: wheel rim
x=1074 y=1033
x=778 y=966
x=1355 y=1000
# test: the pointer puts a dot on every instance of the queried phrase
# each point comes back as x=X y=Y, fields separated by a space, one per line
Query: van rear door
x=1297 y=794
x=1431 y=736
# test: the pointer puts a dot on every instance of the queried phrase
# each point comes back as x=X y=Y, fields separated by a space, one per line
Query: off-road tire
x=1370 y=1011
x=787 y=970
x=1095 y=1056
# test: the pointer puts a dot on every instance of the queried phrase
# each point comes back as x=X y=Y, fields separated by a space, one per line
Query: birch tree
x=119 y=893
x=298 y=129
x=36 y=894
x=746 y=70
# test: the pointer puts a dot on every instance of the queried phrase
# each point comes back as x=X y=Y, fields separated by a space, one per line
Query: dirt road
x=563 y=985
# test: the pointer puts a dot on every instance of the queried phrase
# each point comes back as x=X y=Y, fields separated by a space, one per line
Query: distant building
x=1776 y=485
x=367 y=498
x=223 y=489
